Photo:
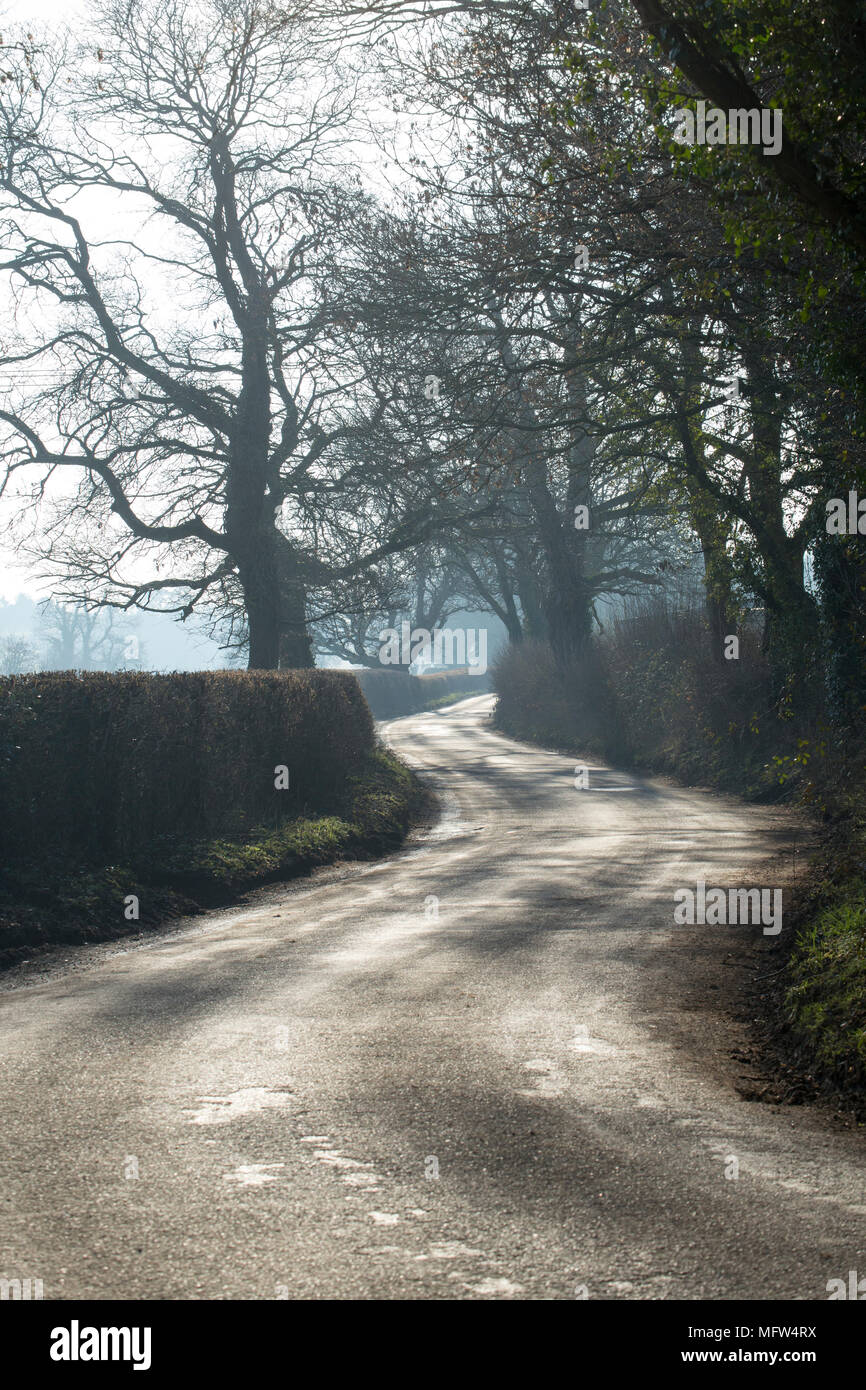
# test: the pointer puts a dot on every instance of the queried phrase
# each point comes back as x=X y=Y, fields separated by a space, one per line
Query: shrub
x=651 y=692
x=566 y=706
x=107 y=767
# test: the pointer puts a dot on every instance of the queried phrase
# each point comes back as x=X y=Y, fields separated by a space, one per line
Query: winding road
x=488 y=1067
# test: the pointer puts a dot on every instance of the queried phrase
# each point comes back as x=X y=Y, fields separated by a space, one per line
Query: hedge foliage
x=652 y=694
x=391 y=694
x=106 y=767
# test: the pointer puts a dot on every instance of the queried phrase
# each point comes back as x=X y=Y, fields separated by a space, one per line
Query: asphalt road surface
x=490 y=1067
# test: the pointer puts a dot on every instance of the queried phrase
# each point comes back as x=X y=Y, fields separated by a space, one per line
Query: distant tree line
x=67 y=637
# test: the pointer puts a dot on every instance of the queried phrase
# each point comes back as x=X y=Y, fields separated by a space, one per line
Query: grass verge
x=453 y=699
x=47 y=902
x=821 y=1004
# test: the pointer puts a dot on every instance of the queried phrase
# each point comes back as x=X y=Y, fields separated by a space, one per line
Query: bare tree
x=77 y=638
x=204 y=387
x=17 y=654
x=424 y=586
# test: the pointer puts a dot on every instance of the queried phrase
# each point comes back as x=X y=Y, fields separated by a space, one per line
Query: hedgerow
x=105 y=767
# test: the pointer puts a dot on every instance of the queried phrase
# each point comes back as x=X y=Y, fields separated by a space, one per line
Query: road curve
x=489 y=1067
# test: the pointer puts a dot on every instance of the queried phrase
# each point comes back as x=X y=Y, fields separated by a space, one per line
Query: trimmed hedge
x=53 y=902
x=391 y=694
x=108 y=767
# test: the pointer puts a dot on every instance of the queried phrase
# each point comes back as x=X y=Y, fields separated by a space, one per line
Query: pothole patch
x=495 y=1288
x=352 y=1171
x=253 y=1174
x=450 y=1250
x=220 y=1110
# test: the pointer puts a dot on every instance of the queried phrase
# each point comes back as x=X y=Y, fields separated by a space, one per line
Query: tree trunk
x=534 y=622
x=268 y=565
x=509 y=613
x=296 y=651
x=712 y=531
x=792 y=617
x=262 y=603
x=567 y=601
x=275 y=602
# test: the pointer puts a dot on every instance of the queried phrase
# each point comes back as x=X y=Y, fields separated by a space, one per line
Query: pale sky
x=39 y=11
x=14 y=578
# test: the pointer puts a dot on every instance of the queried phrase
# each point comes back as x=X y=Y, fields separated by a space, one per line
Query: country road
x=489 y=1067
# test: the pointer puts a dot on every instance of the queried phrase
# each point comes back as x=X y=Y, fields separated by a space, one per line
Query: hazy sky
x=14 y=577
x=39 y=11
